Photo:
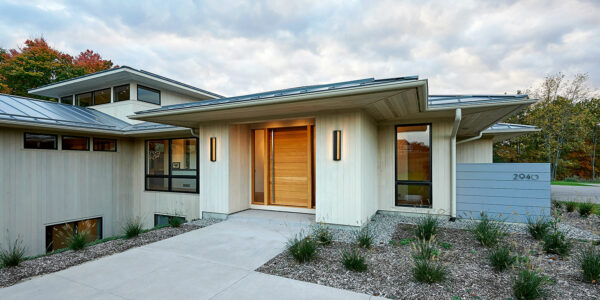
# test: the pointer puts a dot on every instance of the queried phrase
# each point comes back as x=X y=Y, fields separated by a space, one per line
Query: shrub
x=571 y=206
x=354 y=261
x=322 y=234
x=590 y=264
x=13 y=255
x=428 y=271
x=556 y=204
x=586 y=209
x=364 y=238
x=489 y=232
x=427 y=227
x=501 y=258
x=78 y=241
x=176 y=221
x=538 y=227
x=555 y=242
x=405 y=241
x=302 y=249
x=423 y=249
x=133 y=228
x=530 y=285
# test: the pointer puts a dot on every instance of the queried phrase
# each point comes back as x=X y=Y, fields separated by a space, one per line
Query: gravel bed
x=205 y=222
x=584 y=228
x=471 y=276
x=63 y=260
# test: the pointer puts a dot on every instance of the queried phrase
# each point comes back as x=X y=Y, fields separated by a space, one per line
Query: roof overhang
x=383 y=101
x=117 y=76
x=508 y=131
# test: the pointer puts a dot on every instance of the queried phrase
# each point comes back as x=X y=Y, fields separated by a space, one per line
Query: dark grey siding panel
x=507 y=191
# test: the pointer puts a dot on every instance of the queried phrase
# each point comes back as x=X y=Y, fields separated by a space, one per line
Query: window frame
x=68 y=96
x=94 y=96
x=149 y=89
x=413 y=182
x=74 y=224
x=114 y=88
x=170 y=176
x=62 y=142
x=76 y=101
x=94 y=140
x=49 y=134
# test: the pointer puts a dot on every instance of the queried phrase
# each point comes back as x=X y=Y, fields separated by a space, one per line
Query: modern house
x=125 y=143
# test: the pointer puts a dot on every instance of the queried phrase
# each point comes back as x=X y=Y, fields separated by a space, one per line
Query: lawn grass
x=571 y=183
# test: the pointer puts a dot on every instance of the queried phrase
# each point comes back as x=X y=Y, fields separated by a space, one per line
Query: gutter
x=457 y=119
x=281 y=99
x=470 y=139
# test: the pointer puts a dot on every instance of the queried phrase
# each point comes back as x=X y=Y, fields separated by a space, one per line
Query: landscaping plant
x=176 y=221
x=423 y=249
x=354 y=261
x=590 y=264
x=586 y=209
x=488 y=232
x=13 y=255
x=427 y=227
x=322 y=234
x=302 y=249
x=529 y=285
x=133 y=228
x=428 y=271
x=501 y=258
x=556 y=204
x=556 y=242
x=538 y=227
x=78 y=241
x=571 y=206
x=364 y=238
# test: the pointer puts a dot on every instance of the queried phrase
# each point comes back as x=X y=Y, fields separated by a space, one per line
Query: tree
x=39 y=64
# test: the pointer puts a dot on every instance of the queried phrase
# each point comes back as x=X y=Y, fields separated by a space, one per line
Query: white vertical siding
x=477 y=151
x=214 y=176
x=239 y=167
x=345 y=189
x=440 y=131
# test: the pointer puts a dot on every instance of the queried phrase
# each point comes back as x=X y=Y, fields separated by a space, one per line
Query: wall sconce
x=337 y=145
x=213 y=149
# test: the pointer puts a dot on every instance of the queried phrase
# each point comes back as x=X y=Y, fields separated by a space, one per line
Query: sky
x=238 y=47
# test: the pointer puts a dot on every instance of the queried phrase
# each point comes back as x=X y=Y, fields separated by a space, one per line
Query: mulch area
x=60 y=261
x=590 y=223
x=471 y=276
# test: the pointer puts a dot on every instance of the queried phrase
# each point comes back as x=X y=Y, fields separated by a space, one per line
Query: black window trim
x=115 y=140
x=74 y=222
x=49 y=134
x=72 y=99
x=171 y=176
x=413 y=182
x=149 y=89
x=62 y=141
x=114 y=92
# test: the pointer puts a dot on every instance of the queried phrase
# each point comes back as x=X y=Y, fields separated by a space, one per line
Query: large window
x=102 y=96
x=172 y=165
x=84 y=99
x=121 y=93
x=80 y=143
x=147 y=94
x=101 y=144
x=413 y=165
x=41 y=141
x=67 y=100
x=59 y=235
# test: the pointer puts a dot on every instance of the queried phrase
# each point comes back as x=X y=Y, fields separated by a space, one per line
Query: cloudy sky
x=237 y=47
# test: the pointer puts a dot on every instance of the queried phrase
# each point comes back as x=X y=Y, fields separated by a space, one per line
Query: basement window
x=163 y=220
x=59 y=235
x=413 y=165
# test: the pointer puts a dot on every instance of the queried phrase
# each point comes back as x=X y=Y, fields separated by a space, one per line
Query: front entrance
x=283 y=166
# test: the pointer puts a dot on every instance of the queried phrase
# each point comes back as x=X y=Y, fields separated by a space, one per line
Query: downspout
x=192 y=130
x=470 y=139
x=457 y=119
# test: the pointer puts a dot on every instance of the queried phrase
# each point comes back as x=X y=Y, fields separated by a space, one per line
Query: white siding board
x=477 y=151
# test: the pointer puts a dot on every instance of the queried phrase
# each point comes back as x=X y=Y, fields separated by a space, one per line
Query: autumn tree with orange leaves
x=38 y=64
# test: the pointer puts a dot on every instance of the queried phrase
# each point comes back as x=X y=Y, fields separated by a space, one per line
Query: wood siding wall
x=44 y=187
x=477 y=151
x=441 y=172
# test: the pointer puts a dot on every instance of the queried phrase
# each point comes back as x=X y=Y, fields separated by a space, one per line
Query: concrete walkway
x=216 y=262
x=576 y=193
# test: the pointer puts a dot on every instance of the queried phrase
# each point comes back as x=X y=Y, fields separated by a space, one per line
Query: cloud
x=240 y=47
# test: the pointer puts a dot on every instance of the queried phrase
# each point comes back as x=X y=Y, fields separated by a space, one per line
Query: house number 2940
x=522 y=176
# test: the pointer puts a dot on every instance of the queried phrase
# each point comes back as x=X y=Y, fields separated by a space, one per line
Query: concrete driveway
x=576 y=193
x=216 y=262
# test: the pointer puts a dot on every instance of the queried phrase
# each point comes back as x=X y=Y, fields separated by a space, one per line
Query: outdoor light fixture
x=213 y=149
x=337 y=145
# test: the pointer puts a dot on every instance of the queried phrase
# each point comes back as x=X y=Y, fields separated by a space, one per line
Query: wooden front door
x=289 y=166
